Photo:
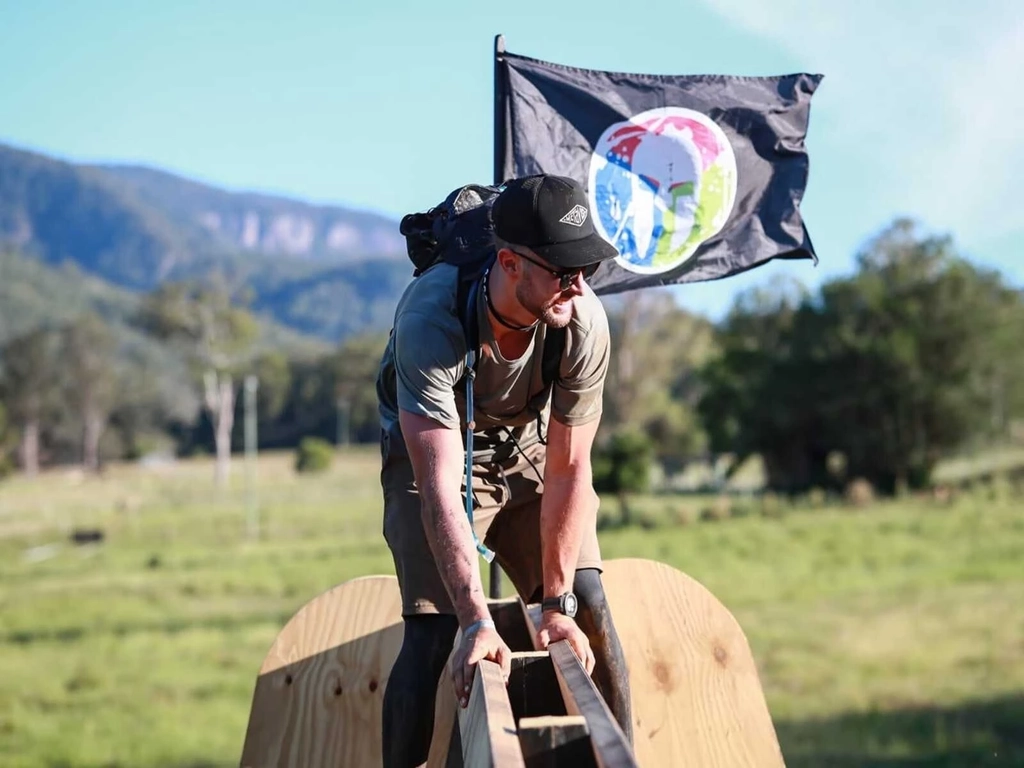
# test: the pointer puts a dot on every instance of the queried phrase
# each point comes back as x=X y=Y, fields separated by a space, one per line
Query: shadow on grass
x=976 y=735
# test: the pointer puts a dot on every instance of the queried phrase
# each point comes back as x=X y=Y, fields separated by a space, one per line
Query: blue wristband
x=472 y=628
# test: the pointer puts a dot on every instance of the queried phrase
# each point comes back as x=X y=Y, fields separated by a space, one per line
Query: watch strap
x=557 y=604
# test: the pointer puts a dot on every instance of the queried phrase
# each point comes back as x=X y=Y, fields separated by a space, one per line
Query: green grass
x=888 y=636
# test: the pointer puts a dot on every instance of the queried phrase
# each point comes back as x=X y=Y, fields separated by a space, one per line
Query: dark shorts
x=506 y=519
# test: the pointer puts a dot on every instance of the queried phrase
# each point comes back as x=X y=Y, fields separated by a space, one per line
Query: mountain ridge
x=260 y=221
x=321 y=269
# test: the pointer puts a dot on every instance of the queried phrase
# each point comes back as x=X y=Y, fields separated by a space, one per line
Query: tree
x=354 y=376
x=622 y=465
x=892 y=367
x=747 y=406
x=29 y=389
x=657 y=348
x=5 y=444
x=217 y=336
x=91 y=379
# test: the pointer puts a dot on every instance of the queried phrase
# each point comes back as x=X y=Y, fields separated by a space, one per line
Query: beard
x=554 y=312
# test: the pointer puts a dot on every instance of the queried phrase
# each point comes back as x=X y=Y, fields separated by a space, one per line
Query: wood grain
x=611 y=749
x=486 y=725
x=697 y=698
x=317 y=700
x=445 y=743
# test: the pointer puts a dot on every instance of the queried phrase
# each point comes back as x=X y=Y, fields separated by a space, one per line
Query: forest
x=874 y=376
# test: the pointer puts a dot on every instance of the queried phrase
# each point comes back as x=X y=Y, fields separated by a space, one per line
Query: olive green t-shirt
x=425 y=357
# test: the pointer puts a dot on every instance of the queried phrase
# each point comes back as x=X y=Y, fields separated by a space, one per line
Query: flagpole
x=499 y=111
x=499 y=140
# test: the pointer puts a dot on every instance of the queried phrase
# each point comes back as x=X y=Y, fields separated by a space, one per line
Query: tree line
x=875 y=375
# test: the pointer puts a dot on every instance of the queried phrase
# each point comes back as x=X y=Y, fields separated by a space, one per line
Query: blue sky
x=388 y=106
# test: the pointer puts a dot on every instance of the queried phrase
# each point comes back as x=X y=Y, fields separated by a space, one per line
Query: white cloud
x=929 y=95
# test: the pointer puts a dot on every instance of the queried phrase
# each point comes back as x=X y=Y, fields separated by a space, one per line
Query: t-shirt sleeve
x=578 y=398
x=429 y=361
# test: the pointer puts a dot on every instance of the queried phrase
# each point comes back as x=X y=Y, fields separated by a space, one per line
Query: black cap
x=551 y=216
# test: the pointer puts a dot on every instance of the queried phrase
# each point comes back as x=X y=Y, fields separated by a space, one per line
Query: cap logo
x=576 y=216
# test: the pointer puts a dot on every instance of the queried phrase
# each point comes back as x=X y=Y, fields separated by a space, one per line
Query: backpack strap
x=554 y=346
x=465 y=301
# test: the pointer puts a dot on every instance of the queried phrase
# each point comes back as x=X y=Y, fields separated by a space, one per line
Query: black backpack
x=459 y=231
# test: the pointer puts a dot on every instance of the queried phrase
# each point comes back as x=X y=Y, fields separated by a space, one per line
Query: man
x=535 y=506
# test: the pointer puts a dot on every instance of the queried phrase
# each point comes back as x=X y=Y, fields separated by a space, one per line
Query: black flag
x=691 y=177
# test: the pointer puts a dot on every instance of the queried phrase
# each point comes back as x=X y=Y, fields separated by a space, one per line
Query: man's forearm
x=568 y=507
x=451 y=540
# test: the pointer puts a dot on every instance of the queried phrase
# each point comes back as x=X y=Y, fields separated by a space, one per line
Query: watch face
x=570 y=605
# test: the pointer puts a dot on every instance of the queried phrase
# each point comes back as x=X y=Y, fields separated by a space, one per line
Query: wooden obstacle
x=696 y=697
x=320 y=689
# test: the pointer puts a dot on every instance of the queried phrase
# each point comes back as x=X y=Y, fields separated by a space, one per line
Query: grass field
x=885 y=636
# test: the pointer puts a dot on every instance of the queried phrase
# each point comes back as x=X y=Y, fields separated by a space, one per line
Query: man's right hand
x=484 y=643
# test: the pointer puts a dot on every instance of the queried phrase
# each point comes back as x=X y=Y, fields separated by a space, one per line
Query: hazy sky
x=389 y=106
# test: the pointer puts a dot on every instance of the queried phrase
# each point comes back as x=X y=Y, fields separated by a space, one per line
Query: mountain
x=321 y=270
x=34 y=294
x=248 y=222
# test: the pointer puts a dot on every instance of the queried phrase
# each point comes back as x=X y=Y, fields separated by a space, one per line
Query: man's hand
x=557 y=626
x=484 y=643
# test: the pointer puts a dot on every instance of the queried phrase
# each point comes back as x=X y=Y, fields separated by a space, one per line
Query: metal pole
x=499 y=111
x=252 y=507
x=499 y=172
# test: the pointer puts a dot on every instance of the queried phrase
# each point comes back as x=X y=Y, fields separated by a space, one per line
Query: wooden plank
x=445 y=744
x=446 y=741
x=697 y=699
x=610 y=747
x=532 y=686
x=550 y=741
x=318 y=697
x=511 y=623
x=487 y=726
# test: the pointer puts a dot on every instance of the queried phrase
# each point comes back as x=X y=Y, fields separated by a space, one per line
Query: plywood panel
x=697 y=698
x=318 y=698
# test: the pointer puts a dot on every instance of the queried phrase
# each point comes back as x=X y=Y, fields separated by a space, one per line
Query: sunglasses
x=566 y=277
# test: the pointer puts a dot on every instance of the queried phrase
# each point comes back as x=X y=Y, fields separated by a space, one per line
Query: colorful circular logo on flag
x=661 y=184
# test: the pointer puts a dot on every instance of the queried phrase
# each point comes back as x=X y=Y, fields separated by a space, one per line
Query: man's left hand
x=557 y=626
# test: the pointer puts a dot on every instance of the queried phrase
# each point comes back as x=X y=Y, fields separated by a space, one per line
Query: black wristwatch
x=566 y=604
